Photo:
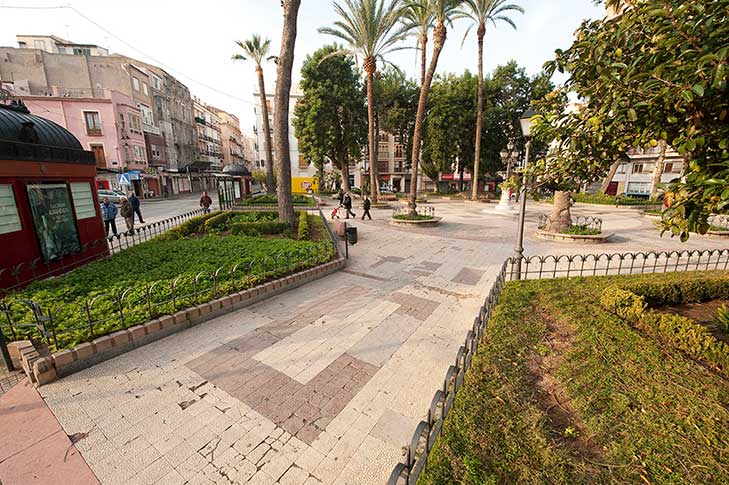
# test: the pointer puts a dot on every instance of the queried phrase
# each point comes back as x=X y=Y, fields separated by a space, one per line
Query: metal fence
x=421 y=210
x=29 y=271
x=543 y=267
x=587 y=222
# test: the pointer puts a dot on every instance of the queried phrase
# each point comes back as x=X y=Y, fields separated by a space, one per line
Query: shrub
x=673 y=290
x=258 y=228
x=582 y=230
x=680 y=332
x=193 y=226
x=218 y=223
x=410 y=217
x=304 y=228
x=273 y=200
x=721 y=319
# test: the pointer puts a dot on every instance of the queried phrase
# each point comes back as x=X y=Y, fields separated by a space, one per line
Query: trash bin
x=352 y=235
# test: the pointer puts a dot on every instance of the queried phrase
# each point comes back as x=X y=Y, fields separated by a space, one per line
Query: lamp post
x=508 y=157
x=526 y=129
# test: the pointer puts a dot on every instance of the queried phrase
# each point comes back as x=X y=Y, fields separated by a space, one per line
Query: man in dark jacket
x=366 y=206
x=340 y=196
x=135 y=207
x=205 y=202
x=347 y=202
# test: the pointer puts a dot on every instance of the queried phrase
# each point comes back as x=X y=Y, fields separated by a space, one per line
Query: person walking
x=134 y=201
x=127 y=212
x=108 y=214
x=366 y=206
x=347 y=202
x=340 y=196
x=205 y=202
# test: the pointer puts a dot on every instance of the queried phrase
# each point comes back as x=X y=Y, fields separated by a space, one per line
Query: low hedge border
x=258 y=228
x=188 y=228
x=304 y=228
x=66 y=362
x=680 y=332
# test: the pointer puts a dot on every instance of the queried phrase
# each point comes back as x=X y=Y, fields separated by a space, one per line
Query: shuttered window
x=83 y=200
x=9 y=219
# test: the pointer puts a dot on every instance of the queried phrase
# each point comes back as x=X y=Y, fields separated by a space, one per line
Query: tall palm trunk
x=377 y=155
x=270 y=189
x=658 y=169
x=369 y=67
x=281 y=112
x=479 y=113
x=423 y=56
x=439 y=38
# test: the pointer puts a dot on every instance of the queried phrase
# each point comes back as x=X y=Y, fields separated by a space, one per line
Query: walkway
x=323 y=384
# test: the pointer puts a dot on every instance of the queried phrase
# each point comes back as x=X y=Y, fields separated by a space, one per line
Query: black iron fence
x=26 y=272
x=536 y=267
x=421 y=210
x=587 y=222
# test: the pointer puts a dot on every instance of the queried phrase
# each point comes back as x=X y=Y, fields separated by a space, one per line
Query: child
x=335 y=212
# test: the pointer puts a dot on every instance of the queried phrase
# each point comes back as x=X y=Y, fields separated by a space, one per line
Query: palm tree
x=370 y=29
x=281 y=111
x=443 y=12
x=257 y=50
x=482 y=12
x=417 y=17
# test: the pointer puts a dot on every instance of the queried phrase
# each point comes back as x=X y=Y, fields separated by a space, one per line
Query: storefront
x=49 y=211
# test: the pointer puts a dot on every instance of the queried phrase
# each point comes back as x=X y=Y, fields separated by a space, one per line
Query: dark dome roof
x=49 y=133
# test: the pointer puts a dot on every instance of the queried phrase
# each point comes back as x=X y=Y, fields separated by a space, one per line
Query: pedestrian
x=347 y=202
x=127 y=212
x=205 y=202
x=366 y=206
x=134 y=201
x=340 y=196
x=108 y=214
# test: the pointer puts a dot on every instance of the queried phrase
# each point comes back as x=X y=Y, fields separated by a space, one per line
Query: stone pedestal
x=505 y=202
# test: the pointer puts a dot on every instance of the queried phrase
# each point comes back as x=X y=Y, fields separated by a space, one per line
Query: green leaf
x=632 y=116
x=698 y=89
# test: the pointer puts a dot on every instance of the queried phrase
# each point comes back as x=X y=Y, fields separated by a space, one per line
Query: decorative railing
x=542 y=267
x=421 y=210
x=587 y=221
x=26 y=272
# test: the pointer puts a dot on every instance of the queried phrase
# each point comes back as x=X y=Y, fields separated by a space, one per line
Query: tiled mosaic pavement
x=322 y=384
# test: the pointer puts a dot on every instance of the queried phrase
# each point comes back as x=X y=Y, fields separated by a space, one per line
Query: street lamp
x=525 y=121
x=508 y=157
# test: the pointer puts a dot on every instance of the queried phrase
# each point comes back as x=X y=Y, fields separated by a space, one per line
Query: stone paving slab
x=323 y=384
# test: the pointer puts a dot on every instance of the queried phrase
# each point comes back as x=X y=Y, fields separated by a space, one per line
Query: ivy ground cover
x=155 y=278
x=564 y=391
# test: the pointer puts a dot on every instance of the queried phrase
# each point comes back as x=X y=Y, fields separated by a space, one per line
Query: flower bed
x=562 y=391
x=171 y=272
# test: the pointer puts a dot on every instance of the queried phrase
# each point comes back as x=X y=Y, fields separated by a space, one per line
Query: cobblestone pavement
x=322 y=384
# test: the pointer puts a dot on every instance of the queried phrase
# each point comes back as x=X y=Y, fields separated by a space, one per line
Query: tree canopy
x=330 y=120
x=655 y=72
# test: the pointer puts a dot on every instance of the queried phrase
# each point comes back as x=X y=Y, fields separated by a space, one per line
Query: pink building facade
x=107 y=123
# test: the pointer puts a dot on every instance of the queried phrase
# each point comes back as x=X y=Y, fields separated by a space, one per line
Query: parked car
x=113 y=195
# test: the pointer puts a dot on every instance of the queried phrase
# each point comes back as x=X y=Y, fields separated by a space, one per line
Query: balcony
x=63 y=92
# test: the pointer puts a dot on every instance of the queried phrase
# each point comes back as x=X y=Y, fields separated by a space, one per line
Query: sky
x=194 y=40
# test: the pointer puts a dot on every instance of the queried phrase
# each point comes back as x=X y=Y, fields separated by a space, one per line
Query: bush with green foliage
x=582 y=230
x=304 y=228
x=273 y=200
x=412 y=217
x=258 y=228
x=721 y=319
x=196 y=225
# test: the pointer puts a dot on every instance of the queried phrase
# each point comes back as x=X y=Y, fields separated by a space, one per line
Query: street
x=154 y=210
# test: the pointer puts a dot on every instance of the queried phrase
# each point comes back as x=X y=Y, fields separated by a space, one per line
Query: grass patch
x=582 y=230
x=186 y=261
x=635 y=409
x=411 y=217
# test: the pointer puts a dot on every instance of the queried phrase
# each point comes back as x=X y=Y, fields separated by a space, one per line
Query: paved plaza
x=324 y=383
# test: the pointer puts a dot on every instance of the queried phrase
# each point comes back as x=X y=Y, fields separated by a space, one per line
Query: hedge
x=680 y=332
x=304 y=228
x=258 y=228
x=672 y=290
x=193 y=226
x=273 y=200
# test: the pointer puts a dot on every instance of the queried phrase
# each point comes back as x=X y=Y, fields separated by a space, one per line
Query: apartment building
x=233 y=150
x=634 y=176
x=209 y=142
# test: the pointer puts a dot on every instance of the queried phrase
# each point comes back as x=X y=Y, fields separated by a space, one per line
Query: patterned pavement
x=322 y=384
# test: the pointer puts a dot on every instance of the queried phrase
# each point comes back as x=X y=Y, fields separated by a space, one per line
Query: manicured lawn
x=177 y=270
x=561 y=391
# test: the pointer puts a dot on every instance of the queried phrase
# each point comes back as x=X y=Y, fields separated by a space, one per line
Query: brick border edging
x=42 y=370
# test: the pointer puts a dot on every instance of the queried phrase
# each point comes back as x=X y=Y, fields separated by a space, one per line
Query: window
x=81 y=51
x=138 y=154
x=145 y=89
x=303 y=163
x=83 y=200
x=648 y=167
x=621 y=168
x=134 y=125
x=135 y=83
x=399 y=151
x=639 y=188
x=61 y=50
x=637 y=168
x=156 y=82
x=156 y=152
x=93 y=123
x=673 y=167
x=147 y=115
x=9 y=220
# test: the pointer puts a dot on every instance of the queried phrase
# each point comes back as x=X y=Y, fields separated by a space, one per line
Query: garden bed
x=272 y=200
x=205 y=258
x=420 y=220
x=562 y=390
